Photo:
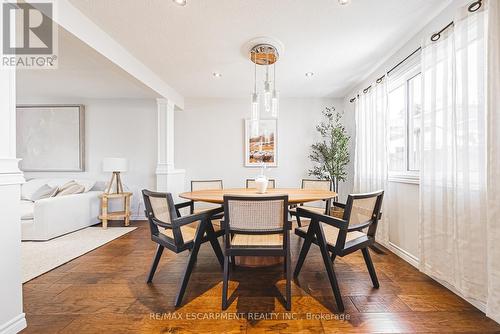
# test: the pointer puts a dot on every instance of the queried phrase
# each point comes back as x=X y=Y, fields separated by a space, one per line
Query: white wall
x=209 y=140
x=403 y=198
x=115 y=128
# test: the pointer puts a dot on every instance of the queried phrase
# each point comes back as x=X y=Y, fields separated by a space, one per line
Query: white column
x=12 y=319
x=168 y=179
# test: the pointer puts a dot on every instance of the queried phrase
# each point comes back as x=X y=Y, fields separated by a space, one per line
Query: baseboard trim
x=476 y=303
x=411 y=259
x=14 y=325
x=414 y=261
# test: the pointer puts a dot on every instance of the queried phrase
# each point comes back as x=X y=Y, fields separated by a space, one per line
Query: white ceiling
x=184 y=45
x=82 y=73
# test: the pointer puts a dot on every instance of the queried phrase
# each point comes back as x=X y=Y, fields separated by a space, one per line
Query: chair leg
x=233 y=262
x=299 y=223
x=371 y=268
x=190 y=265
x=305 y=249
x=288 y=271
x=154 y=265
x=215 y=243
x=329 y=268
x=225 y=283
x=377 y=249
x=333 y=257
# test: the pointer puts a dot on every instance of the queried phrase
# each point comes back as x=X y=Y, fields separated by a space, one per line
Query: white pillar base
x=171 y=181
x=14 y=326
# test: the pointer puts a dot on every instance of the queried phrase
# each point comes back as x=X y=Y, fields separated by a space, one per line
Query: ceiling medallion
x=264 y=54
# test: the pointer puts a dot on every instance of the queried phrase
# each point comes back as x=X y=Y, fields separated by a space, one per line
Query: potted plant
x=331 y=155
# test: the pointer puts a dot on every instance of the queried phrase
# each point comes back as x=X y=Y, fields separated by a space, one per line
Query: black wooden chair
x=170 y=230
x=313 y=184
x=342 y=236
x=256 y=226
x=250 y=183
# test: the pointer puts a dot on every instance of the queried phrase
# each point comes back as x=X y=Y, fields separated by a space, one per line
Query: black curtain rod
x=473 y=7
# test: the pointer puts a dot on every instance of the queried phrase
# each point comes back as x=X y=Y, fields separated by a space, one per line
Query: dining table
x=295 y=197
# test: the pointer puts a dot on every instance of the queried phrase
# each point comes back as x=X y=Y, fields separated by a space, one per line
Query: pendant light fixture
x=265 y=55
x=255 y=98
x=275 y=97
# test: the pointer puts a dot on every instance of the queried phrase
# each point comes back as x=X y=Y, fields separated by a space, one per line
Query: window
x=404 y=121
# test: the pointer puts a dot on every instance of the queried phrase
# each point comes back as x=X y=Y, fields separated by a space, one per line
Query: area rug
x=38 y=257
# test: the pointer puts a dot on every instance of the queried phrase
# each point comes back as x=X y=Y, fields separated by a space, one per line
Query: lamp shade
x=114 y=165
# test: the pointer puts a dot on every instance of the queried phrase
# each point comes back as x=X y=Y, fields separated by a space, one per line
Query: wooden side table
x=115 y=215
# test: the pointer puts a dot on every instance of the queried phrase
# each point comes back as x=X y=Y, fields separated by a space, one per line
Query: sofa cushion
x=27 y=210
x=29 y=188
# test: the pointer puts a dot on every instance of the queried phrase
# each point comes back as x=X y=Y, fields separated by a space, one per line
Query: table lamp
x=116 y=166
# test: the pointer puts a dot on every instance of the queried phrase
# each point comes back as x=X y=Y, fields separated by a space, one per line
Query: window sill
x=405 y=178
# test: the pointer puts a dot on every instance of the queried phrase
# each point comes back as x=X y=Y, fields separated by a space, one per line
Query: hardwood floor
x=104 y=291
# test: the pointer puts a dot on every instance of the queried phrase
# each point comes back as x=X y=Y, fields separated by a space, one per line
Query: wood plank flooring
x=104 y=291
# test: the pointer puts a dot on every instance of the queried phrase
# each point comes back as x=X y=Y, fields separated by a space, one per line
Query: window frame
x=403 y=77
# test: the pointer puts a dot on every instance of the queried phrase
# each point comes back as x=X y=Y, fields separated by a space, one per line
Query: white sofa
x=48 y=218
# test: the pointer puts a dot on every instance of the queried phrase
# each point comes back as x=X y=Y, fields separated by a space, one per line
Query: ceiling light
x=309 y=74
x=344 y=2
x=180 y=2
x=265 y=55
x=217 y=74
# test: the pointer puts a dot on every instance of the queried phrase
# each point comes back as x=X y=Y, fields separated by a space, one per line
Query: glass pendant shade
x=275 y=104
x=267 y=96
x=254 y=128
x=255 y=107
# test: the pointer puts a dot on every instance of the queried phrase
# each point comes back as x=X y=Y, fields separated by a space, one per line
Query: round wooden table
x=295 y=196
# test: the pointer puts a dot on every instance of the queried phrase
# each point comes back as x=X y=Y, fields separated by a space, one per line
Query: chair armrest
x=333 y=221
x=358 y=227
x=206 y=215
x=182 y=205
x=179 y=206
x=337 y=204
x=161 y=223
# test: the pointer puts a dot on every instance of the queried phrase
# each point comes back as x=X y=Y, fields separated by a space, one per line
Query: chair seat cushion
x=189 y=231
x=257 y=241
x=331 y=233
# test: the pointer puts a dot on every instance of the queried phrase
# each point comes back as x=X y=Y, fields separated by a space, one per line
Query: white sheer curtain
x=453 y=180
x=493 y=79
x=370 y=162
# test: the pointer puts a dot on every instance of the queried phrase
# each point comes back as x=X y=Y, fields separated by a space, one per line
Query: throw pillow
x=67 y=185
x=41 y=192
x=73 y=189
x=30 y=187
x=88 y=184
x=51 y=193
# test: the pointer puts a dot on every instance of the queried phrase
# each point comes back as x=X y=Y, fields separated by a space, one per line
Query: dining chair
x=197 y=185
x=170 y=230
x=313 y=184
x=250 y=184
x=342 y=236
x=256 y=226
